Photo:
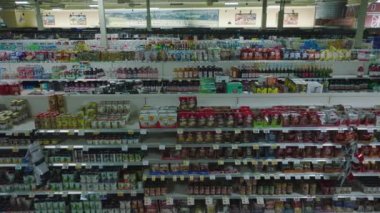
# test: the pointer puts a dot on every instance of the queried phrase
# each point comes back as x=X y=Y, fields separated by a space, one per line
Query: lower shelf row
x=122 y=204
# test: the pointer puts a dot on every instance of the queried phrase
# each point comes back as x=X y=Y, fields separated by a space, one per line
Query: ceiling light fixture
x=93 y=5
x=21 y=2
x=231 y=3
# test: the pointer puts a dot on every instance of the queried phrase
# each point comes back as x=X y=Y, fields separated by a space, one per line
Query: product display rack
x=73 y=152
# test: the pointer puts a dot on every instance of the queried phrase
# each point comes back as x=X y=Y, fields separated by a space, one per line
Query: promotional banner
x=163 y=18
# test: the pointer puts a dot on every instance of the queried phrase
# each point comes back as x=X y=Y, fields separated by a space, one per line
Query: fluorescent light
x=231 y=3
x=93 y=5
x=21 y=2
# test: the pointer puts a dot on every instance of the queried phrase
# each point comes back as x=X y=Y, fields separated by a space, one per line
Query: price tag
x=191 y=178
x=144 y=177
x=254 y=162
x=226 y=200
x=228 y=177
x=266 y=131
x=256 y=177
x=255 y=147
x=260 y=200
x=215 y=146
x=201 y=178
x=100 y=166
x=78 y=166
x=143 y=131
x=282 y=146
x=125 y=165
x=218 y=130
x=220 y=162
x=237 y=162
x=65 y=166
x=147 y=201
x=50 y=194
x=285 y=130
x=64 y=194
x=306 y=177
x=124 y=148
x=352 y=198
x=297 y=161
x=145 y=162
x=323 y=130
x=237 y=131
x=178 y=147
x=273 y=146
x=266 y=176
x=209 y=201
x=31 y=195
x=256 y=131
x=161 y=147
x=144 y=147
x=180 y=131
x=133 y=193
x=85 y=148
x=370 y=198
x=153 y=178
x=186 y=163
x=212 y=177
x=244 y=200
x=296 y=199
x=317 y=177
x=370 y=130
x=120 y=194
x=319 y=146
x=27 y=134
x=169 y=201
x=182 y=178
x=246 y=177
x=130 y=132
x=297 y=177
x=70 y=132
x=70 y=148
x=335 y=198
x=276 y=176
x=80 y=133
x=15 y=149
x=234 y=146
x=190 y=201
x=287 y=177
x=301 y=146
x=340 y=130
x=283 y=199
x=88 y=166
x=18 y=166
x=175 y=178
x=245 y=162
x=162 y=177
x=265 y=163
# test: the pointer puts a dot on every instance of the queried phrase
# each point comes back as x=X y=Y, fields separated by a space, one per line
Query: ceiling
x=119 y=4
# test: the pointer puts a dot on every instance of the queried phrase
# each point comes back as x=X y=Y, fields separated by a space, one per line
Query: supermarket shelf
x=94 y=164
x=24 y=128
x=81 y=80
x=245 y=161
x=70 y=192
x=131 y=128
x=246 y=176
x=295 y=196
x=250 y=175
x=15 y=165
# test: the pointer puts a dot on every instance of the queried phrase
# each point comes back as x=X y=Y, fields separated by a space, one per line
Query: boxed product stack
x=158 y=117
x=17 y=113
